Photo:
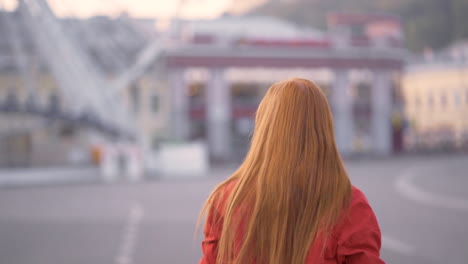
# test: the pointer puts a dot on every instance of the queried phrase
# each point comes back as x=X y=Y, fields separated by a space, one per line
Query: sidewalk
x=24 y=177
x=13 y=177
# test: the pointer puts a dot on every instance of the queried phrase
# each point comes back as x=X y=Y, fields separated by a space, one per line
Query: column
x=342 y=105
x=180 y=121
x=381 y=112
x=218 y=115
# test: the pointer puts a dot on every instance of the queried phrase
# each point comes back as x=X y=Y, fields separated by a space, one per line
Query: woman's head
x=293 y=123
x=292 y=185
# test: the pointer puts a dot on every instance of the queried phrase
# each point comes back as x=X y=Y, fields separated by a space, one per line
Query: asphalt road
x=421 y=203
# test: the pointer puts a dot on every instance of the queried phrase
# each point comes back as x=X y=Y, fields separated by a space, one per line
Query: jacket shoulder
x=358 y=218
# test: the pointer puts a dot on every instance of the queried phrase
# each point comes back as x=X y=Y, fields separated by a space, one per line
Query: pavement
x=420 y=203
x=26 y=177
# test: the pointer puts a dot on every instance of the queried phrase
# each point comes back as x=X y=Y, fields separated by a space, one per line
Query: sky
x=195 y=9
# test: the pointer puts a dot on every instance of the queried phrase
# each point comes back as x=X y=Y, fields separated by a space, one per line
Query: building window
x=417 y=102
x=325 y=89
x=135 y=97
x=443 y=100
x=156 y=142
x=245 y=93
x=196 y=92
x=363 y=93
x=430 y=101
x=357 y=30
x=54 y=102
x=154 y=103
x=12 y=100
x=456 y=99
x=196 y=89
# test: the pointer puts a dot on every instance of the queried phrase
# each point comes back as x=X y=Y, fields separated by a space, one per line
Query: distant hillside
x=428 y=23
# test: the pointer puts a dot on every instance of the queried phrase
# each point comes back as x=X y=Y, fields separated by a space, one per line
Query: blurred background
x=118 y=117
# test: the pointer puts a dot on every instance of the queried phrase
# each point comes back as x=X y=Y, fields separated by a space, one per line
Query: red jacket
x=356 y=239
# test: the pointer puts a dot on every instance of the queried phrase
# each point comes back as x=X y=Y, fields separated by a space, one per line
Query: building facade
x=360 y=71
x=436 y=99
x=34 y=130
x=207 y=84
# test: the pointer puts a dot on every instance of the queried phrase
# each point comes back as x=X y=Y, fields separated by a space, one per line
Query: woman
x=291 y=200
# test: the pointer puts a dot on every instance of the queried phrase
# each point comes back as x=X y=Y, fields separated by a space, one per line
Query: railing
x=83 y=119
x=77 y=76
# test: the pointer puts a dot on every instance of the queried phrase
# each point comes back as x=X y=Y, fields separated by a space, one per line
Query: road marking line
x=397 y=246
x=405 y=187
x=130 y=235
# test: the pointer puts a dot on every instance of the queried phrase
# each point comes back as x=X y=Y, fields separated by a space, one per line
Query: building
x=42 y=139
x=358 y=62
x=207 y=84
x=435 y=89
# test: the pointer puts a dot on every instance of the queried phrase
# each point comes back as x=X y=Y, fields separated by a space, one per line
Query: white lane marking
x=405 y=187
x=397 y=246
x=130 y=235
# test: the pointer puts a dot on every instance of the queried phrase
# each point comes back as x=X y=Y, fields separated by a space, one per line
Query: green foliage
x=427 y=23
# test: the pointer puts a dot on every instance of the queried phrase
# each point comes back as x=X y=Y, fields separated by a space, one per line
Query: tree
x=427 y=23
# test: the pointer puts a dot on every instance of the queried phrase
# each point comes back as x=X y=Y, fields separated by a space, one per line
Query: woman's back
x=291 y=196
x=356 y=238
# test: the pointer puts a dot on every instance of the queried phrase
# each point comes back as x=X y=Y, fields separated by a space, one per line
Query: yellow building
x=436 y=98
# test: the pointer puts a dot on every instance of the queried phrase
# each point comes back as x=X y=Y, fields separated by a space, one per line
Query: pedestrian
x=291 y=201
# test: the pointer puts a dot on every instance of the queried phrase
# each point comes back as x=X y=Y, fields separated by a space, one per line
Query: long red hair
x=291 y=187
